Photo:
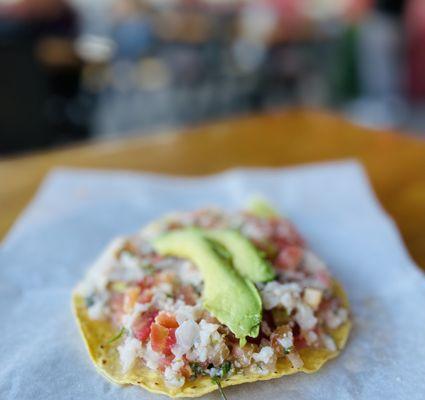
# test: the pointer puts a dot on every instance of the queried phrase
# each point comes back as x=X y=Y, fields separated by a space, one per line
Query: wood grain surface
x=394 y=162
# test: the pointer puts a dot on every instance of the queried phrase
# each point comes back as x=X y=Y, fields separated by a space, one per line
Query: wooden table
x=395 y=163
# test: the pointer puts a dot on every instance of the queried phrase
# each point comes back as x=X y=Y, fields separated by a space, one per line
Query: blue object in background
x=134 y=38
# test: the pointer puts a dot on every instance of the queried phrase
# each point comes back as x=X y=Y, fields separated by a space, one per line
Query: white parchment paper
x=76 y=213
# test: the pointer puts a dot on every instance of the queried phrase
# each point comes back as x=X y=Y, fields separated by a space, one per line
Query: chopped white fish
x=328 y=342
x=295 y=359
x=186 y=335
x=286 y=340
x=128 y=351
x=264 y=356
x=305 y=317
x=285 y=294
x=336 y=319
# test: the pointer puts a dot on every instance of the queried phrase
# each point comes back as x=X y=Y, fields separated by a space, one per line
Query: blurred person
x=415 y=29
x=38 y=73
x=31 y=9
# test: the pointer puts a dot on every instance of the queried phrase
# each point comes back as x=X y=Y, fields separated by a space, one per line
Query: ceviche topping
x=208 y=293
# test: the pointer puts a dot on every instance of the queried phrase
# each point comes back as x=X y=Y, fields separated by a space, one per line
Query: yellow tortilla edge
x=104 y=356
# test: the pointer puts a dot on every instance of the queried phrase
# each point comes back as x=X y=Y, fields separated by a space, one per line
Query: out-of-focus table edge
x=395 y=162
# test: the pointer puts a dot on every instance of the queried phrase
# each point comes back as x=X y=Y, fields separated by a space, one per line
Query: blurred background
x=73 y=70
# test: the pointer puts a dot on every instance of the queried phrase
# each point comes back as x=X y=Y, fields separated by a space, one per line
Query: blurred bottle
x=39 y=75
x=380 y=64
x=415 y=30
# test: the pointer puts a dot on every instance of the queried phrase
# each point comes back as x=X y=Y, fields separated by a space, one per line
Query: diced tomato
x=142 y=325
x=171 y=341
x=289 y=257
x=166 y=320
x=300 y=342
x=145 y=286
x=162 y=339
x=280 y=243
x=324 y=278
x=145 y=296
x=284 y=233
x=159 y=336
x=164 y=363
x=147 y=282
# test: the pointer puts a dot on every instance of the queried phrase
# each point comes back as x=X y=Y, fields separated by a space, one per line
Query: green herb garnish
x=221 y=373
x=117 y=336
x=216 y=380
x=225 y=368
x=197 y=370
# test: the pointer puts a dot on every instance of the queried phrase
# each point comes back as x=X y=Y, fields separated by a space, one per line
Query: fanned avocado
x=231 y=298
x=246 y=258
x=261 y=208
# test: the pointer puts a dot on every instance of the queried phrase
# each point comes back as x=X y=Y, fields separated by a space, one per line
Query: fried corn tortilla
x=105 y=357
x=105 y=340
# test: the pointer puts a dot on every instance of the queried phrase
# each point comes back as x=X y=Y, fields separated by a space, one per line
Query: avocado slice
x=262 y=208
x=246 y=258
x=231 y=298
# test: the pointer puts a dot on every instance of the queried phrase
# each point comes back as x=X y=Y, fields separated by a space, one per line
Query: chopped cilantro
x=225 y=368
x=216 y=373
x=217 y=382
x=196 y=370
x=117 y=336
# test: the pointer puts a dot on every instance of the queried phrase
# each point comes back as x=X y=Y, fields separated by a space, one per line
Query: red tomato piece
x=164 y=363
x=324 y=278
x=143 y=324
x=289 y=257
x=159 y=336
x=285 y=233
x=171 y=341
x=300 y=342
x=147 y=282
x=145 y=296
x=166 y=320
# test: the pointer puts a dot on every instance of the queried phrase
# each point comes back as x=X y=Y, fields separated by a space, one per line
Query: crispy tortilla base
x=105 y=357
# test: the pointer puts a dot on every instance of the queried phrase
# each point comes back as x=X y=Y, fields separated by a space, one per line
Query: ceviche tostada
x=206 y=299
